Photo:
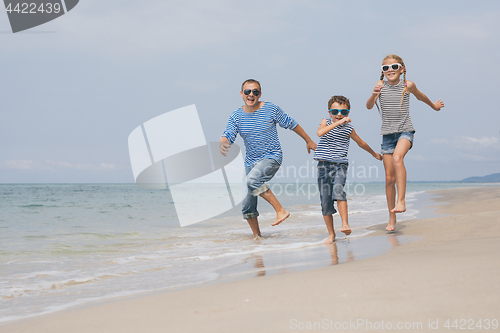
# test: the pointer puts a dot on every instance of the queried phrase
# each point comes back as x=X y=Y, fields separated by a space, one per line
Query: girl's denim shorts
x=389 y=141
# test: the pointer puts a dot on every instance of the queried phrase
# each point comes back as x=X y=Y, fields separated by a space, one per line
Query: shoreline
x=280 y=252
x=284 y=250
x=270 y=260
x=278 y=289
x=344 y=249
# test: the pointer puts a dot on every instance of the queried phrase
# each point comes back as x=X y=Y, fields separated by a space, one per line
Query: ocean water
x=63 y=245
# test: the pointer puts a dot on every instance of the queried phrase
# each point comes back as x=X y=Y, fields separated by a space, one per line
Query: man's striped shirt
x=259 y=133
x=334 y=145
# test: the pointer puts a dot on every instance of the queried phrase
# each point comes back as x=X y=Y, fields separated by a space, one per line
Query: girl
x=397 y=129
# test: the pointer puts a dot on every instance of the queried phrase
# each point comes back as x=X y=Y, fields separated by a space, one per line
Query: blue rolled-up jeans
x=257 y=176
x=331 y=181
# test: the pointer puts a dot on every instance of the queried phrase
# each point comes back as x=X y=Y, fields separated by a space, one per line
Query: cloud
x=118 y=30
x=17 y=164
x=486 y=144
x=483 y=149
x=107 y=166
x=478 y=158
x=79 y=166
x=457 y=28
x=469 y=143
x=160 y=27
x=484 y=141
x=440 y=141
x=55 y=165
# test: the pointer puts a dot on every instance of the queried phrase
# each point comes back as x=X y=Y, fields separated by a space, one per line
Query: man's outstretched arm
x=310 y=143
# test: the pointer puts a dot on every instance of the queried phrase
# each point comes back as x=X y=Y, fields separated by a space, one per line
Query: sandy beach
x=449 y=275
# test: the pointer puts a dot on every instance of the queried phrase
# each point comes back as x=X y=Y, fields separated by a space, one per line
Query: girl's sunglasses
x=395 y=67
x=335 y=112
x=248 y=91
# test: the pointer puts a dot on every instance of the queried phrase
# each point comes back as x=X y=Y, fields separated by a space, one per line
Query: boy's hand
x=344 y=120
x=378 y=156
x=438 y=105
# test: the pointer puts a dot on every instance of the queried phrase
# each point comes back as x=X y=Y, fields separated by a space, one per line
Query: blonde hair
x=399 y=60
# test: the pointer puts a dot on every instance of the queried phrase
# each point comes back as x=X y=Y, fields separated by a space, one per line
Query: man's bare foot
x=330 y=239
x=258 y=237
x=281 y=217
x=391 y=226
x=346 y=229
x=400 y=208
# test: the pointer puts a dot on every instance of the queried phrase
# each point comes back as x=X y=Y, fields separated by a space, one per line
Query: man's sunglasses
x=395 y=67
x=255 y=92
x=335 y=112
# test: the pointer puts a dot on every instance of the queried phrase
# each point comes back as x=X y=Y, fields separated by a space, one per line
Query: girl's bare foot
x=258 y=237
x=281 y=217
x=391 y=226
x=400 y=208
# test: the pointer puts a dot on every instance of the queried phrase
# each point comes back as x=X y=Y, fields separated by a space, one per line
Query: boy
x=331 y=154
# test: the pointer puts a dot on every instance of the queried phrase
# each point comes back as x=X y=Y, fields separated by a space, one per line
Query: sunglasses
x=248 y=91
x=335 y=112
x=395 y=67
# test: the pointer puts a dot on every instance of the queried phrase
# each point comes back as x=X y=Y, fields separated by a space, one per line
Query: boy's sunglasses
x=248 y=91
x=395 y=67
x=335 y=112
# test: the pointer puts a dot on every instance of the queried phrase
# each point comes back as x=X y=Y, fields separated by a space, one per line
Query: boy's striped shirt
x=334 y=145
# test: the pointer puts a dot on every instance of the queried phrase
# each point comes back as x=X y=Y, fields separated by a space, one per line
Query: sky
x=73 y=89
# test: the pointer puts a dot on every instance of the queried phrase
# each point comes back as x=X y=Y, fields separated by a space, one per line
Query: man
x=256 y=123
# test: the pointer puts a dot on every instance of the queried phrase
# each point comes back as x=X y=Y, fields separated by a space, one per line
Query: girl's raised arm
x=422 y=97
x=376 y=92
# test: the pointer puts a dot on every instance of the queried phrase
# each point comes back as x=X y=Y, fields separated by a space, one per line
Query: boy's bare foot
x=346 y=229
x=400 y=208
x=281 y=217
x=391 y=226
x=330 y=239
x=258 y=237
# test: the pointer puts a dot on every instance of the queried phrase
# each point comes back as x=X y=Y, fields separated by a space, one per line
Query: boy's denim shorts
x=389 y=141
x=331 y=181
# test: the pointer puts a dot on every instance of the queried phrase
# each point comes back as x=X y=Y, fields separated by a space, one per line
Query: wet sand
x=451 y=272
